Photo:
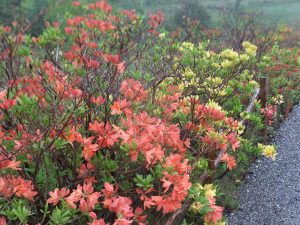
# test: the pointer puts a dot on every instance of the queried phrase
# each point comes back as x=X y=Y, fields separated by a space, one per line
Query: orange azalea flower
x=229 y=160
x=8 y=103
x=5 y=164
x=57 y=195
x=89 y=149
x=108 y=190
x=76 y=3
x=138 y=217
x=233 y=141
x=133 y=90
x=98 y=101
x=10 y=185
x=2 y=220
x=116 y=108
x=85 y=169
x=103 y=5
x=107 y=137
x=25 y=189
x=131 y=14
x=73 y=136
x=86 y=195
x=121 y=206
x=155 y=154
x=3 y=95
x=215 y=215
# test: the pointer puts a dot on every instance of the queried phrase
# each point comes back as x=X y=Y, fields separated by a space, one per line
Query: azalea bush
x=80 y=140
x=281 y=66
x=226 y=77
x=72 y=164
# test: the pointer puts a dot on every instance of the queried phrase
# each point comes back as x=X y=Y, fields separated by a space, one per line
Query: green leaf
x=142 y=182
x=60 y=216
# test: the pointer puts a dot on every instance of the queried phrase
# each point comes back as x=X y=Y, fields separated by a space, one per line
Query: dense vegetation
x=108 y=117
x=209 y=12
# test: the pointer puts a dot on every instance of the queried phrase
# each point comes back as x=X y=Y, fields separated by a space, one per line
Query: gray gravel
x=271 y=194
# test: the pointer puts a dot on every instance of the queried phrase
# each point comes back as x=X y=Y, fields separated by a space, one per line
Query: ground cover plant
x=106 y=118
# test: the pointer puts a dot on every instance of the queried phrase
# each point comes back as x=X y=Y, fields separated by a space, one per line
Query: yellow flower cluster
x=230 y=54
x=214 y=81
x=206 y=72
x=216 y=65
x=241 y=129
x=249 y=48
x=209 y=54
x=268 y=150
x=189 y=74
x=253 y=83
x=211 y=103
x=278 y=99
x=196 y=207
x=231 y=58
x=162 y=35
x=189 y=78
x=246 y=75
x=186 y=46
x=208 y=191
x=244 y=58
x=226 y=64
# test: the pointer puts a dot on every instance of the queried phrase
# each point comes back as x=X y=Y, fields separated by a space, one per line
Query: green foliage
x=18 y=210
x=142 y=182
x=61 y=216
x=50 y=36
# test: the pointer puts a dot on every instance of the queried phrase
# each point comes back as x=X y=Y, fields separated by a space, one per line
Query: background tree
x=34 y=9
x=193 y=10
x=238 y=7
x=11 y=10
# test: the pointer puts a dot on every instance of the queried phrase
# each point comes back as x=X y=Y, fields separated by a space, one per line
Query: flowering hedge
x=108 y=120
x=282 y=67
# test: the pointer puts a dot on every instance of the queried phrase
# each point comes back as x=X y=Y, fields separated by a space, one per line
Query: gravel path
x=271 y=194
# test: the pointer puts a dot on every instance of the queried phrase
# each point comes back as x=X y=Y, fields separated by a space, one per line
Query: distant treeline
x=24 y=11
